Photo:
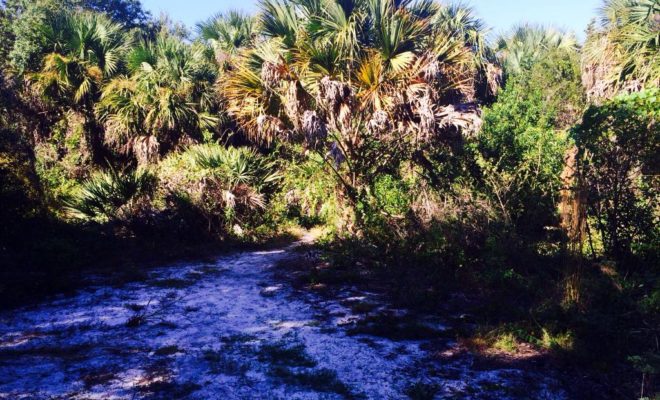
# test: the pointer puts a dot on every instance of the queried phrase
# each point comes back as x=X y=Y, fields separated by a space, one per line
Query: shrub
x=619 y=147
x=111 y=195
x=61 y=159
x=521 y=147
x=228 y=186
x=307 y=195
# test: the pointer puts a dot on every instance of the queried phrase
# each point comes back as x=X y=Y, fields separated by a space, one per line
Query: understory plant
x=229 y=186
x=619 y=147
x=112 y=195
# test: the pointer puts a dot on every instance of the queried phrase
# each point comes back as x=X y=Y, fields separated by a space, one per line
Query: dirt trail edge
x=228 y=329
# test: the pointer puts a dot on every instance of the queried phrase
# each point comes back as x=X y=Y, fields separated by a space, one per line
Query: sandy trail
x=228 y=329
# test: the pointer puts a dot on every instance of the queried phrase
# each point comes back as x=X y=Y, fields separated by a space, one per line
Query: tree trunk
x=573 y=221
x=94 y=139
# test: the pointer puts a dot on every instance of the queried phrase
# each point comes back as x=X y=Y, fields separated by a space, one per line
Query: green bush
x=111 y=195
x=61 y=160
x=520 y=149
x=392 y=195
x=307 y=195
x=619 y=143
x=230 y=187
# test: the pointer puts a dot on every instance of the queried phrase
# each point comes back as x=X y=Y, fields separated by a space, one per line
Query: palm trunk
x=94 y=139
x=573 y=222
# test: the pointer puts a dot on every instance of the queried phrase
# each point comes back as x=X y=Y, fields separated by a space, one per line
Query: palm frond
x=106 y=194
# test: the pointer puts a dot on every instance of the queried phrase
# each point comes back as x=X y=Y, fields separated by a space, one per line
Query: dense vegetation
x=522 y=172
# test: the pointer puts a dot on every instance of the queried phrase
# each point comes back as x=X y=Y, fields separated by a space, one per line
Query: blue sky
x=500 y=15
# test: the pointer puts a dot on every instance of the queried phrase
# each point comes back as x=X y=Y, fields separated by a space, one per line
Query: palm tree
x=350 y=79
x=86 y=50
x=622 y=53
x=527 y=44
x=168 y=98
x=227 y=33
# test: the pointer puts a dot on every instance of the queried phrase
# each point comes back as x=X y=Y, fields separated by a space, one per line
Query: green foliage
x=28 y=19
x=31 y=21
x=392 y=195
x=227 y=33
x=83 y=50
x=6 y=38
x=227 y=185
x=622 y=53
x=619 y=143
x=367 y=117
x=235 y=166
x=522 y=144
x=363 y=86
x=506 y=342
x=306 y=195
x=167 y=99
x=126 y=12
x=525 y=45
x=111 y=195
x=61 y=160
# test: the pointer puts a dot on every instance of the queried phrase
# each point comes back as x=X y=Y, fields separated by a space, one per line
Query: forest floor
x=234 y=328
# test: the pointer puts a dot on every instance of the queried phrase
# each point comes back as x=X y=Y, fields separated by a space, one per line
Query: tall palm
x=526 y=44
x=86 y=50
x=167 y=98
x=350 y=78
x=623 y=51
x=227 y=33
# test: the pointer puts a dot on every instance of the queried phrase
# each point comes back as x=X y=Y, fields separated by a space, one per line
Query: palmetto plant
x=227 y=33
x=623 y=51
x=527 y=44
x=86 y=50
x=168 y=98
x=226 y=184
x=235 y=166
x=351 y=79
x=111 y=195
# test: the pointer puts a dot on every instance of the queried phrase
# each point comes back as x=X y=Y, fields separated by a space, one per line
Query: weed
x=560 y=341
x=222 y=363
x=506 y=342
x=281 y=353
x=320 y=380
x=167 y=350
x=422 y=391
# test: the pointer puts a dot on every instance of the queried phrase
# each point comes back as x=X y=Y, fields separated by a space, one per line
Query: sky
x=500 y=15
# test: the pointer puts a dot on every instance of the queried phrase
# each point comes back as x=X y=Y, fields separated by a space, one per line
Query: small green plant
x=560 y=341
x=506 y=342
x=229 y=187
x=282 y=353
x=321 y=380
x=111 y=195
